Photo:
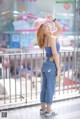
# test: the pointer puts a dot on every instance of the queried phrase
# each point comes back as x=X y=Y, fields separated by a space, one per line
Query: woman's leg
x=51 y=81
x=43 y=106
x=43 y=92
x=48 y=108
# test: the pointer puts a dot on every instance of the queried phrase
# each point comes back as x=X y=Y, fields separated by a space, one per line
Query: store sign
x=26 y=0
x=67 y=6
x=15 y=41
x=21 y=25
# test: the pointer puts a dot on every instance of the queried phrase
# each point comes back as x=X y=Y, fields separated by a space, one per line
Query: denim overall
x=49 y=71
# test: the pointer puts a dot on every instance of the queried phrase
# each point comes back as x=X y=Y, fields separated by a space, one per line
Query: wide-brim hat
x=39 y=21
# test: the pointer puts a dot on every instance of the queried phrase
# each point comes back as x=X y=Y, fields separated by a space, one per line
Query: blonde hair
x=40 y=37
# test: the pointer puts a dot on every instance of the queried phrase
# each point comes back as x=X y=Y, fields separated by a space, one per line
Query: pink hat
x=39 y=21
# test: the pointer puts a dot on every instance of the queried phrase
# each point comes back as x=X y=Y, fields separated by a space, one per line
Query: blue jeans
x=49 y=71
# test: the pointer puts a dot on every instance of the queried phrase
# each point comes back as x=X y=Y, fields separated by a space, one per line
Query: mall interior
x=21 y=58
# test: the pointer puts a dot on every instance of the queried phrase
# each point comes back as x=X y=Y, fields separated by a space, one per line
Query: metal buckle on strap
x=50 y=59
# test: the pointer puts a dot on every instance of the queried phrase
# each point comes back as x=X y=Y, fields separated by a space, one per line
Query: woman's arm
x=58 y=28
x=57 y=24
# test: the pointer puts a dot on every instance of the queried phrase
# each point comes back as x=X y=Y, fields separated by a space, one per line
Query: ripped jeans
x=49 y=72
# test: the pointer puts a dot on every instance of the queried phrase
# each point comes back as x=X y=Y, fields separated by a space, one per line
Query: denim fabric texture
x=49 y=71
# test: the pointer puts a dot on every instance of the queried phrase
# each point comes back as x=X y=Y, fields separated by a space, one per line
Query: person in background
x=46 y=39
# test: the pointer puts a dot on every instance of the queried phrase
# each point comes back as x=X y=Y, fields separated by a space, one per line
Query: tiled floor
x=69 y=109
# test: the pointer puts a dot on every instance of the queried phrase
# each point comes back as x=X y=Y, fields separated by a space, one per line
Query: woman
x=46 y=38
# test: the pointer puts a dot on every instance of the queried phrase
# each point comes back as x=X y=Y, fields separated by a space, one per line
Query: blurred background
x=21 y=58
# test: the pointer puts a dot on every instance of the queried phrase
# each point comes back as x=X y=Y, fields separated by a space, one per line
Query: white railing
x=20 y=81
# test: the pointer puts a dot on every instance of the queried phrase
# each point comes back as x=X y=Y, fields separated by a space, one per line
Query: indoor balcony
x=20 y=85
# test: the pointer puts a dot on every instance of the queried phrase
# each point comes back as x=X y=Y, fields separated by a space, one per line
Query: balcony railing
x=20 y=74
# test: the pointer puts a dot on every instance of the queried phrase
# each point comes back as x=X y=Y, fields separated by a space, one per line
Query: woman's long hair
x=40 y=37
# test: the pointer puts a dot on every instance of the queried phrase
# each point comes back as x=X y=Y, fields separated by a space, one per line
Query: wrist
x=54 y=19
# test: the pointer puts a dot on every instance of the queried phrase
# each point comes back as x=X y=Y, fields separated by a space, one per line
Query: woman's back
x=48 y=48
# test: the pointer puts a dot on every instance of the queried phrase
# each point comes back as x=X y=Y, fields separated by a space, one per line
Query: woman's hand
x=50 y=17
x=58 y=74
